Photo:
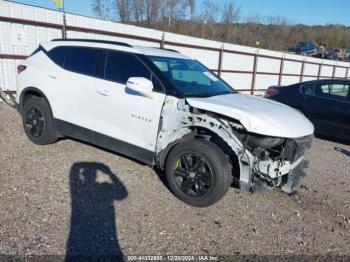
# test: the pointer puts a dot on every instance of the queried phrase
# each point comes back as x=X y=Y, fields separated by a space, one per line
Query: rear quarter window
x=57 y=55
x=337 y=91
x=307 y=89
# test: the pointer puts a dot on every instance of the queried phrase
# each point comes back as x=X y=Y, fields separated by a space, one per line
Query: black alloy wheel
x=193 y=174
x=198 y=172
x=35 y=122
x=38 y=121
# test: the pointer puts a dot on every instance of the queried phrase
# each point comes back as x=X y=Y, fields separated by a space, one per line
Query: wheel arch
x=199 y=132
x=31 y=91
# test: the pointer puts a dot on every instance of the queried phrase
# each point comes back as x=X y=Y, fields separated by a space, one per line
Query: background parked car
x=303 y=48
x=342 y=53
x=348 y=52
x=326 y=51
x=325 y=102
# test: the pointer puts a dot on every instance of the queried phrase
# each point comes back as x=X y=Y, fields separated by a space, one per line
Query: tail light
x=271 y=91
x=20 y=68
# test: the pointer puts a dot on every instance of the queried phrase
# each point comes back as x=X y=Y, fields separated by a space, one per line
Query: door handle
x=52 y=75
x=102 y=92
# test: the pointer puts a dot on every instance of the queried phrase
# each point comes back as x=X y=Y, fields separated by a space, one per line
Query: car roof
x=324 y=80
x=113 y=45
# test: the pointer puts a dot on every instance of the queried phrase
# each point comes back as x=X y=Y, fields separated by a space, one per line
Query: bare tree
x=220 y=22
x=173 y=11
x=190 y=26
x=123 y=9
x=152 y=10
x=192 y=6
x=138 y=8
x=211 y=12
x=229 y=15
x=101 y=8
x=252 y=34
x=275 y=27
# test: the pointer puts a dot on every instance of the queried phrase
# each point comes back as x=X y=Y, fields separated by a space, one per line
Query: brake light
x=20 y=68
x=271 y=91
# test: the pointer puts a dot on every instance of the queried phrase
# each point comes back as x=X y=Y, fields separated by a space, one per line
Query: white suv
x=164 y=109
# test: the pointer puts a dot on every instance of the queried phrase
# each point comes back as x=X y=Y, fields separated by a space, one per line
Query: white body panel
x=45 y=75
x=125 y=115
x=258 y=115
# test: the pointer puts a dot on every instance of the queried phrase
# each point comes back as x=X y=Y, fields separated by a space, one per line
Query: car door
x=328 y=107
x=121 y=114
x=74 y=85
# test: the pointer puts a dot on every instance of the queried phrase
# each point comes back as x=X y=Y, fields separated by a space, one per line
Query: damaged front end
x=277 y=162
x=259 y=162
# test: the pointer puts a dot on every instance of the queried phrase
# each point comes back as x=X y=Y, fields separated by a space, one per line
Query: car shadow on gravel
x=93 y=234
x=103 y=149
x=332 y=139
x=341 y=150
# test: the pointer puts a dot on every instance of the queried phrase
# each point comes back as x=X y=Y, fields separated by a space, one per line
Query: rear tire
x=38 y=121
x=198 y=172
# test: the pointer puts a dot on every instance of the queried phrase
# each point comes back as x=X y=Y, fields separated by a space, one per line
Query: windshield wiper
x=196 y=95
x=224 y=93
x=210 y=94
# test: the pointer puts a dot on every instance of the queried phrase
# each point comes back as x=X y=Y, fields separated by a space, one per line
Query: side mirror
x=140 y=85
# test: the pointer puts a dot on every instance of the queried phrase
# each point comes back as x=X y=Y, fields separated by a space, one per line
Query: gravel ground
x=70 y=197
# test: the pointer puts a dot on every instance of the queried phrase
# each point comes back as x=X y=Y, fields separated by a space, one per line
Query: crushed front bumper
x=295 y=148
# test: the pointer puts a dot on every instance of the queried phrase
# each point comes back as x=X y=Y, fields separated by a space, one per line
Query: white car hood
x=258 y=115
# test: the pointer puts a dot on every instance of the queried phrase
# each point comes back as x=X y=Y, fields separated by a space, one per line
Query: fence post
x=333 y=73
x=64 y=26
x=302 y=71
x=162 y=41
x=281 y=69
x=254 y=72
x=319 y=71
x=221 y=54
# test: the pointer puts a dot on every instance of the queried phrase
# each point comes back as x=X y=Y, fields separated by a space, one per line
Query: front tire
x=38 y=121
x=198 y=172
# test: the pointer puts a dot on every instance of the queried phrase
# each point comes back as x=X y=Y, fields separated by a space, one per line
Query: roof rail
x=92 y=41
x=171 y=50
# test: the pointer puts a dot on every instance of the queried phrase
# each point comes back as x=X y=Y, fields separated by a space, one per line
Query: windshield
x=190 y=78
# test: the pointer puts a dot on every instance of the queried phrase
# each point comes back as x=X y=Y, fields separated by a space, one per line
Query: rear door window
x=81 y=60
x=338 y=91
x=100 y=64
